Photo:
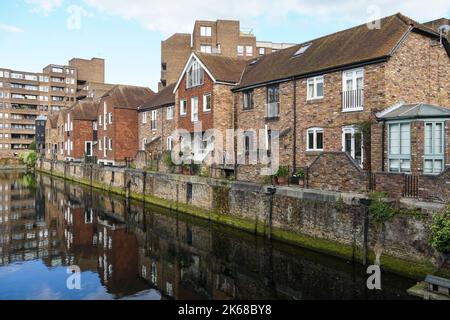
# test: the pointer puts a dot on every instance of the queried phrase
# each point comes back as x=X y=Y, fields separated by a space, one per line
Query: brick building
x=117 y=123
x=51 y=136
x=157 y=122
x=80 y=130
x=203 y=97
x=322 y=95
x=221 y=37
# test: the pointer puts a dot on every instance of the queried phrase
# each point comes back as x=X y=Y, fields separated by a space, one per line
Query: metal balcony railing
x=353 y=100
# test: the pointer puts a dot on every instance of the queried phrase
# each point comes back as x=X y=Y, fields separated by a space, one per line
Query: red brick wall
x=207 y=118
x=82 y=132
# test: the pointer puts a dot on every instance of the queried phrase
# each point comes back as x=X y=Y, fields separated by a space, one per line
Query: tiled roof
x=128 y=97
x=223 y=69
x=84 y=110
x=414 y=111
x=353 y=46
x=163 y=98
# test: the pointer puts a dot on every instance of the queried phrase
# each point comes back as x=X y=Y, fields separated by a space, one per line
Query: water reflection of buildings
x=24 y=233
x=133 y=248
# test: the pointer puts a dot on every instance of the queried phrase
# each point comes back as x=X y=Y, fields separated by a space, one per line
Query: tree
x=32 y=146
x=28 y=159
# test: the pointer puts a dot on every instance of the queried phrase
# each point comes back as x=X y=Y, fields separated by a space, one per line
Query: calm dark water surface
x=132 y=251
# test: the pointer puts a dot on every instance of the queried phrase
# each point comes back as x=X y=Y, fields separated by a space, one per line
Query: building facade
x=41 y=122
x=117 y=124
x=26 y=95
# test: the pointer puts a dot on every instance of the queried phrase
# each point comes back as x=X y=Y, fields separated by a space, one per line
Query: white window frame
x=240 y=50
x=154 y=121
x=353 y=130
x=315 y=130
x=144 y=117
x=100 y=145
x=353 y=75
x=433 y=156
x=204 y=102
x=169 y=144
x=205 y=31
x=110 y=118
x=315 y=81
x=170 y=112
x=194 y=109
x=183 y=107
x=144 y=143
x=401 y=156
x=110 y=144
x=91 y=151
x=195 y=75
x=206 y=48
x=249 y=51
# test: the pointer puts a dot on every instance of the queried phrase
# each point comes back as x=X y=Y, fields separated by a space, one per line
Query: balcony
x=353 y=100
x=272 y=110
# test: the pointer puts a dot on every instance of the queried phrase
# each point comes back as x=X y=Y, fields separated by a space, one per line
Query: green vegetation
x=29 y=160
x=440 y=231
x=283 y=172
x=167 y=160
x=29 y=182
x=300 y=173
x=32 y=146
x=380 y=210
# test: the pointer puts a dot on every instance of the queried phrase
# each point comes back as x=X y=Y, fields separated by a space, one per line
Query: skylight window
x=302 y=50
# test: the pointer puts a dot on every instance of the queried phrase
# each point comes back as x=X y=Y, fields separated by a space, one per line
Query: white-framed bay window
x=434 y=148
x=314 y=139
x=399 y=147
x=315 y=88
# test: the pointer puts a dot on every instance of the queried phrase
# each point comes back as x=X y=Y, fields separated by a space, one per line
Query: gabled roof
x=163 y=98
x=219 y=68
x=414 y=111
x=85 y=109
x=128 y=97
x=53 y=120
x=356 y=46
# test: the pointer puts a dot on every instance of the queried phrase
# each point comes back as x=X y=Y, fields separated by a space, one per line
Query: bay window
x=399 y=155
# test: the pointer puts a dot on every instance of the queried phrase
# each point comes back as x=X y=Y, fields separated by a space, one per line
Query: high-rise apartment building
x=221 y=37
x=26 y=95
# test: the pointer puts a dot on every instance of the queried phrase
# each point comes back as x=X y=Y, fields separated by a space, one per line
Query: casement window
x=399 y=140
x=144 y=117
x=205 y=31
x=144 y=143
x=110 y=117
x=434 y=148
x=154 y=120
x=240 y=50
x=207 y=103
x=170 y=143
x=248 y=100
x=194 y=75
x=183 y=108
x=273 y=102
x=315 y=88
x=352 y=143
x=194 y=109
x=110 y=144
x=205 y=48
x=314 y=139
x=249 y=51
x=170 y=112
x=353 y=90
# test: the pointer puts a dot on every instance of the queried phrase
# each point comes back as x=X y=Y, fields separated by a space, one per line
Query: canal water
x=135 y=251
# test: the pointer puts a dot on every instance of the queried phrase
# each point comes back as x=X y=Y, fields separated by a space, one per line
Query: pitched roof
x=414 y=111
x=163 y=98
x=223 y=69
x=353 y=46
x=85 y=109
x=128 y=97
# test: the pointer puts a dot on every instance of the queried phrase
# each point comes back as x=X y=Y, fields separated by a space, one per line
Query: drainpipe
x=271 y=192
x=294 y=148
x=382 y=145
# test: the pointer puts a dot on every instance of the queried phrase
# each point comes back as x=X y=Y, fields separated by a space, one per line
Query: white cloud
x=44 y=6
x=170 y=16
x=10 y=28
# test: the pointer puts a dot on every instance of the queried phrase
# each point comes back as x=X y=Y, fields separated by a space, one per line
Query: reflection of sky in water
x=34 y=281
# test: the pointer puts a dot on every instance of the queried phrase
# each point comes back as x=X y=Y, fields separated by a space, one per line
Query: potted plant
x=282 y=175
x=298 y=177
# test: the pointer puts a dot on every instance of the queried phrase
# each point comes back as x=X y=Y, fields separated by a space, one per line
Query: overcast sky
x=127 y=33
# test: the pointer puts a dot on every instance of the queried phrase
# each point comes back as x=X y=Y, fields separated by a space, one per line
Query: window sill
x=248 y=109
x=353 y=110
x=312 y=100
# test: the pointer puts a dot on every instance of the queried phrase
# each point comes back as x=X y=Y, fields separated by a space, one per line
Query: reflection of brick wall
x=336 y=171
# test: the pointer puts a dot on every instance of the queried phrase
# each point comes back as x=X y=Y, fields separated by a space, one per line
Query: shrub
x=380 y=210
x=167 y=159
x=32 y=146
x=28 y=159
x=440 y=231
x=300 y=173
